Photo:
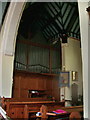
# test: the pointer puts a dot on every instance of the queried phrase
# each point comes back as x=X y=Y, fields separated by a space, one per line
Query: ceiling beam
x=43 y=30
x=45 y=36
x=67 y=16
x=72 y=20
x=51 y=21
x=53 y=28
x=74 y=4
x=44 y=33
x=53 y=7
x=59 y=6
x=50 y=30
x=78 y=29
x=59 y=14
x=55 y=16
x=65 y=10
x=76 y=26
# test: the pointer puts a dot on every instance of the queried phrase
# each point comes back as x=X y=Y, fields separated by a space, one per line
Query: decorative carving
x=43 y=111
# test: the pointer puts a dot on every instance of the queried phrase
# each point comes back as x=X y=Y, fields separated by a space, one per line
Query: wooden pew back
x=27 y=109
x=24 y=108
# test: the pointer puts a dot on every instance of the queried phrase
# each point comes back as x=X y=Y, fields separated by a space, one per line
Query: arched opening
x=43 y=47
x=7 y=46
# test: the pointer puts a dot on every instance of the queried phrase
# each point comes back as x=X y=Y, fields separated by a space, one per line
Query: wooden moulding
x=34 y=73
x=38 y=45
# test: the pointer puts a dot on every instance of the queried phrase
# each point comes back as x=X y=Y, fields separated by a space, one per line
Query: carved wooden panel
x=25 y=81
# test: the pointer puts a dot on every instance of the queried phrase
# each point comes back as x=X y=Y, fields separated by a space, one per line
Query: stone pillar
x=85 y=38
x=7 y=46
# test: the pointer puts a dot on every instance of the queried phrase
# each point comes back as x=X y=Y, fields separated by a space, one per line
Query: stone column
x=7 y=46
x=85 y=38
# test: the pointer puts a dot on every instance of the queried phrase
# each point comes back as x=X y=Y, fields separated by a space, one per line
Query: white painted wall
x=72 y=62
x=7 y=75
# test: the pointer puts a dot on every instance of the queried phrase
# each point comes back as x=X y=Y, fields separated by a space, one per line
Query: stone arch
x=7 y=46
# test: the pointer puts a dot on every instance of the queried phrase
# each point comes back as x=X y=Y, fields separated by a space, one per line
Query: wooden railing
x=38 y=68
x=19 y=65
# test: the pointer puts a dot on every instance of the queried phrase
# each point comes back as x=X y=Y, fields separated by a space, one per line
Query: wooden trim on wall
x=75 y=38
x=37 y=44
x=34 y=73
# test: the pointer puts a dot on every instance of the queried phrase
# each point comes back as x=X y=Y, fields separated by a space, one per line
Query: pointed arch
x=7 y=46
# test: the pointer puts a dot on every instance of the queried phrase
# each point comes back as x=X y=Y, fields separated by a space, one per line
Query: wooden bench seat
x=28 y=109
x=23 y=109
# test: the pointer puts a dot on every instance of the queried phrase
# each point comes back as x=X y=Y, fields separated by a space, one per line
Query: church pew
x=28 y=109
x=25 y=109
x=72 y=112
